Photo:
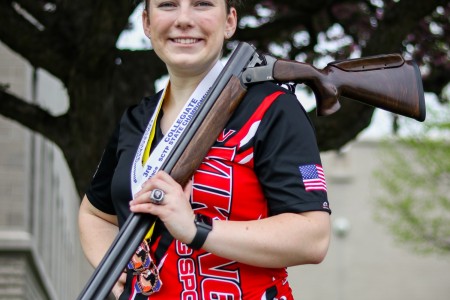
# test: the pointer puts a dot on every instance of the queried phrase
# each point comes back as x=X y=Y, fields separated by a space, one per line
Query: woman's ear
x=146 y=23
x=231 y=23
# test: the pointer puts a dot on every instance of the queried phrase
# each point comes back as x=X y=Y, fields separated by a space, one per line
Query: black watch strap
x=204 y=227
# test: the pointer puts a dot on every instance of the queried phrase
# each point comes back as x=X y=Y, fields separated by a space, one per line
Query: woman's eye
x=166 y=4
x=204 y=3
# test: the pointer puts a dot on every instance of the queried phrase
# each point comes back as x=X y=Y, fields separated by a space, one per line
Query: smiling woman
x=188 y=35
x=250 y=210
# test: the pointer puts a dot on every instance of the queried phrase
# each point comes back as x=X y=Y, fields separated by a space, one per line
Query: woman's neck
x=181 y=89
x=183 y=84
x=177 y=94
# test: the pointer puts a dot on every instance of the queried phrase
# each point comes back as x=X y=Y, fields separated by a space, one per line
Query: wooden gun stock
x=385 y=81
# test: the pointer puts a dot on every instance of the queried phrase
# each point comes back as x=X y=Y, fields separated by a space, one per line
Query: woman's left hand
x=175 y=210
x=118 y=288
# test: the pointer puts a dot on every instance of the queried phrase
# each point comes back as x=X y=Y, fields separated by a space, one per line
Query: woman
x=250 y=210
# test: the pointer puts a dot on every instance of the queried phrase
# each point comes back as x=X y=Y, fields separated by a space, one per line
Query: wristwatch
x=204 y=227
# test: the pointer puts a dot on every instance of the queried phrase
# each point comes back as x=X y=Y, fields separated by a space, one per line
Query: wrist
x=203 y=226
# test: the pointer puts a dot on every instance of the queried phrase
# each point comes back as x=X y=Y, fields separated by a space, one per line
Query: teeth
x=186 y=41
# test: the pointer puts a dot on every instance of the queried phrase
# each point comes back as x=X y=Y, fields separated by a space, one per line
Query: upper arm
x=98 y=193
x=89 y=210
x=320 y=233
x=285 y=145
x=319 y=218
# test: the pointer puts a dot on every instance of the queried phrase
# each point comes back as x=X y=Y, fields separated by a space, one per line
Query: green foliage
x=414 y=201
x=4 y=87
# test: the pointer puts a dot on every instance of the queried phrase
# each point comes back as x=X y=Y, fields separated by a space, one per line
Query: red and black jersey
x=265 y=162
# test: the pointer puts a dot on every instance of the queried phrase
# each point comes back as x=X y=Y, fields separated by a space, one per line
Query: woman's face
x=188 y=35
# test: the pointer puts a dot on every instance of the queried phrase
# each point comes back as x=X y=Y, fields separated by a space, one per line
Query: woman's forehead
x=227 y=2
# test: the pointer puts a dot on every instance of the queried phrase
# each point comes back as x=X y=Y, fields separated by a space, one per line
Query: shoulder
x=262 y=90
x=146 y=106
x=272 y=94
x=275 y=100
x=138 y=115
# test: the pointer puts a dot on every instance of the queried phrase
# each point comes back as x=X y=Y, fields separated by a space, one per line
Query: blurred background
x=68 y=69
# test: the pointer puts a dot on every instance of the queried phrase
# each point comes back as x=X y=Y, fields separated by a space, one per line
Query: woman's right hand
x=175 y=211
x=118 y=288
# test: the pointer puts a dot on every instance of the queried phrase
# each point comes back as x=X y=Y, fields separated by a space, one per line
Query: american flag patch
x=313 y=178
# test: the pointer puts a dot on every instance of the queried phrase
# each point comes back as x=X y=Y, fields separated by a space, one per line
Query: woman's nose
x=184 y=17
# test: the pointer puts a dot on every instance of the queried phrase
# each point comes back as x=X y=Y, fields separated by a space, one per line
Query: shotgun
x=365 y=80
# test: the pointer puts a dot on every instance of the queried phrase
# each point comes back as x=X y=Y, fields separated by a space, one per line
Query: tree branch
x=103 y=30
x=72 y=18
x=335 y=131
x=142 y=68
x=397 y=22
x=436 y=80
x=144 y=65
x=290 y=16
x=40 y=48
x=32 y=116
x=36 y=8
x=281 y=28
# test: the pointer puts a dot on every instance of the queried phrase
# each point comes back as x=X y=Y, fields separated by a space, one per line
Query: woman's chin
x=191 y=67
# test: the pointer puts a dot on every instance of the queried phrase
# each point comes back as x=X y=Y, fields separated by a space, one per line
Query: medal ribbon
x=147 y=164
x=140 y=173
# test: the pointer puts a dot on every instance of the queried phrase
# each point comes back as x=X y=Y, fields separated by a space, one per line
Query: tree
x=76 y=42
x=415 y=180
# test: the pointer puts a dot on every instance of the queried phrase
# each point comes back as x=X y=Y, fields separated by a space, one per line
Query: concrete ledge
x=18 y=245
x=15 y=240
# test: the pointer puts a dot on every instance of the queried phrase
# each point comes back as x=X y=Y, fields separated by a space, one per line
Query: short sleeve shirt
x=265 y=162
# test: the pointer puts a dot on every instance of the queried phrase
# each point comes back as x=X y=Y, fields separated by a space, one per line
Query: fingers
x=119 y=286
x=159 y=180
x=172 y=194
x=188 y=190
x=174 y=211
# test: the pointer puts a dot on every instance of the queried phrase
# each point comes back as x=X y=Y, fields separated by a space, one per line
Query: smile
x=186 y=41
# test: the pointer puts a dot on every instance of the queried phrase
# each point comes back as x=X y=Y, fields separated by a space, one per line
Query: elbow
x=318 y=243
x=321 y=246
x=314 y=254
x=320 y=252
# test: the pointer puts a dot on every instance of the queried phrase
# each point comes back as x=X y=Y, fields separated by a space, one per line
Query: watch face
x=204 y=227
x=201 y=219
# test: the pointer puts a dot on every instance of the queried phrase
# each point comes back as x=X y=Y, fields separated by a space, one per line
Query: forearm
x=279 y=241
x=96 y=233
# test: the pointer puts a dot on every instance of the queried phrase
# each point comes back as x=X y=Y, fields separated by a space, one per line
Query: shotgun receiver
x=364 y=80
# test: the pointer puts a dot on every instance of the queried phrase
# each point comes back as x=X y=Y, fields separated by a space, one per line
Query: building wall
x=40 y=254
x=366 y=263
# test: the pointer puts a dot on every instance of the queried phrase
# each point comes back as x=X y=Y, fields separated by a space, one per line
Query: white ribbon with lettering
x=140 y=173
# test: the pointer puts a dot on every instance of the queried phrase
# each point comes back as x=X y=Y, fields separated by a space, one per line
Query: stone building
x=40 y=254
